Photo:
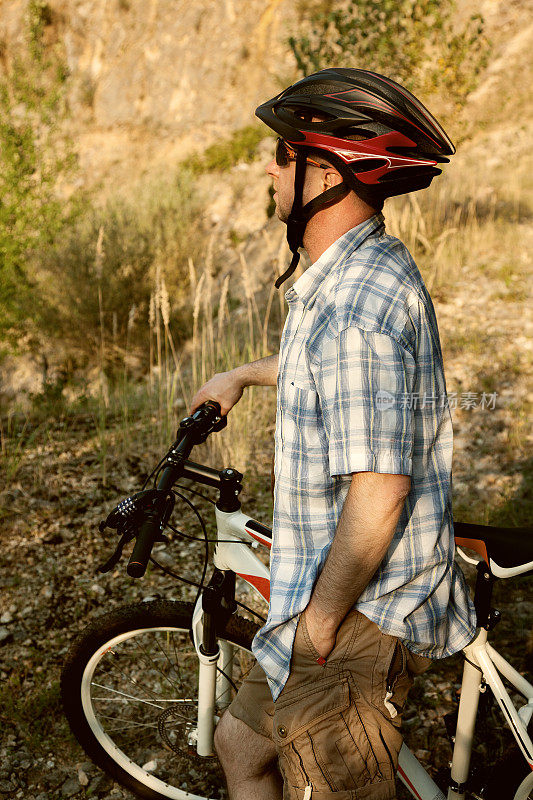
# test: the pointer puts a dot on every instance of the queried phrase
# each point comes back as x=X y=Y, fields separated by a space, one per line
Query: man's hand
x=227 y=387
x=322 y=636
x=224 y=387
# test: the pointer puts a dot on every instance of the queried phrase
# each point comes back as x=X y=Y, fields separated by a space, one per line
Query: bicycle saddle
x=506 y=551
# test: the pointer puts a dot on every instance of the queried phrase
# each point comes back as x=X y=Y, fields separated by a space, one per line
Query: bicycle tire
x=145 y=648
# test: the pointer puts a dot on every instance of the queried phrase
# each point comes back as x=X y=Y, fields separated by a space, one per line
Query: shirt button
x=282 y=731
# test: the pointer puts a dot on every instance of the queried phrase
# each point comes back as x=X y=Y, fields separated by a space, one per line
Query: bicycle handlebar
x=148 y=534
x=193 y=430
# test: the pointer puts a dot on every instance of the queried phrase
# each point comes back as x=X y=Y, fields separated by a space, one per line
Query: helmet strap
x=300 y=214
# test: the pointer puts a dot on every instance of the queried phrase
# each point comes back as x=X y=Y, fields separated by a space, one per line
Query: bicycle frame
x=483 y=667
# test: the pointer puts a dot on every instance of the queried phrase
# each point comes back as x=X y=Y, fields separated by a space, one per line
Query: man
x=364 y=590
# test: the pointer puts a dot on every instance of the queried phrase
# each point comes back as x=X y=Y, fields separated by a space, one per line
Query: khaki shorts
x=334 y=727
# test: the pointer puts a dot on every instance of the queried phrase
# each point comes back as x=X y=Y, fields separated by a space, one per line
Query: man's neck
x=328 y=225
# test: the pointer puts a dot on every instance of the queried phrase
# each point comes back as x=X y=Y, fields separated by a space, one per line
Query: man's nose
x=272 y=168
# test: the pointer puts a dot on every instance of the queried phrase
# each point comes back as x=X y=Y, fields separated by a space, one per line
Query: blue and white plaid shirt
x=361 y=388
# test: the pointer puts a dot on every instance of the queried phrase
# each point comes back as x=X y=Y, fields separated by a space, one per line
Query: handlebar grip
x=214 y=404
x=146 y=538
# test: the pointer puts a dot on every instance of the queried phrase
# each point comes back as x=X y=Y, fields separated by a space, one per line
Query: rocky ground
x=50 y=592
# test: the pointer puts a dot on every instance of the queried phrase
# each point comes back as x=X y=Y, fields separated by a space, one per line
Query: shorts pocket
x=398 y=681
x=321 y=734
x=303 y=646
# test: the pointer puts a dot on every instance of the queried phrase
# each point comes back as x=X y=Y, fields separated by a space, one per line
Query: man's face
x=283 y=182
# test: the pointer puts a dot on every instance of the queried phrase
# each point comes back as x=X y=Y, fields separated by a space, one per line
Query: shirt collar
x=307 y=285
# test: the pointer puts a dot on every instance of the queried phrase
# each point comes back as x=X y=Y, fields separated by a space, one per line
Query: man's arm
x=369 y=518
x=227 y=387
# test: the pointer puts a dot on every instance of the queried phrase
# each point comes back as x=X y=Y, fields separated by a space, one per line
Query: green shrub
x=416 y=42
x=241 y=146
x=31 y=157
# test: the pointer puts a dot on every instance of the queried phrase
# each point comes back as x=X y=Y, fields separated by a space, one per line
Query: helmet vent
x=312 y=89
x=367 y=164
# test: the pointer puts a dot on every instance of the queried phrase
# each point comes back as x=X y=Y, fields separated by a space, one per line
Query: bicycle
x=144 y=686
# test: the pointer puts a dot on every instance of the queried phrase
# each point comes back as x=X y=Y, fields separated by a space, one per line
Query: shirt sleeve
x=365 y=385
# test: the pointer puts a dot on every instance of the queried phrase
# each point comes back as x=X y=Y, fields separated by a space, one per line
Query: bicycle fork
x=214 y=606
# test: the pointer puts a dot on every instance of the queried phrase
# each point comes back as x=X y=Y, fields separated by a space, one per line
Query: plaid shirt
x=361 y=388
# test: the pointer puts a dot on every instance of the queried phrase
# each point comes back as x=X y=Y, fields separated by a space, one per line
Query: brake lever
x=126 y=519
x=112 y=562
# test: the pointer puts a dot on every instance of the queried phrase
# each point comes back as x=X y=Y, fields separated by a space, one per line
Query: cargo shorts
x=336 y=726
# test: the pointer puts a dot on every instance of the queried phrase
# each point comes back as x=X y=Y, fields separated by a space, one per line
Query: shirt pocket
x=299 y=405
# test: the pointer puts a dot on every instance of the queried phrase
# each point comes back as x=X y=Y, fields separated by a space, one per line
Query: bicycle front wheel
x=130 y=688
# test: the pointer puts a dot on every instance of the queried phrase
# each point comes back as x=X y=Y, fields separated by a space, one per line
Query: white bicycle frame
x=483 y=667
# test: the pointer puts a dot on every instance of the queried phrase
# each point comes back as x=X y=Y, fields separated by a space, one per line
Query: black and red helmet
x=380 y=138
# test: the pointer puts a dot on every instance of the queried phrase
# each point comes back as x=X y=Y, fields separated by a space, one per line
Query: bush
x=31 y=157
x=96 y=281
x=416 y=42
x=222 y=156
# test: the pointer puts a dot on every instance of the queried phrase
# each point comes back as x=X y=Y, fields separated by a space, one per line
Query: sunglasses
x=285 y=154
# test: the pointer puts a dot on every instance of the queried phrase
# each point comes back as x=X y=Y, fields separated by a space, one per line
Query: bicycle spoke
x=177 y=662
x=175 y=700
x=156 y=667
x=129 y=724
x=128 y=696
x=172 y=666
x=114 y=666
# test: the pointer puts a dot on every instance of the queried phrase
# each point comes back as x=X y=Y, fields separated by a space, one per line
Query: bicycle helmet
x=380 y=138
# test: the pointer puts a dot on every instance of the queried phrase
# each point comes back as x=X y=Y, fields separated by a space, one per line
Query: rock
x=7 y=787
x=165 y=558
x=70 y=788
x=82 y=778
x=98 y=785
x=53 y=538
x=54 y=778
x=6 y=618
x=5 y=635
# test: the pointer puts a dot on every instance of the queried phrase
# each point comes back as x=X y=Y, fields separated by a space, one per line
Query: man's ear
x=331 y=177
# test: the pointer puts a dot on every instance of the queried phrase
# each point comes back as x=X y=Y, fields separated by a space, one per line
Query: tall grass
x=458 y=227
x=232 y=323
x=220 y=341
